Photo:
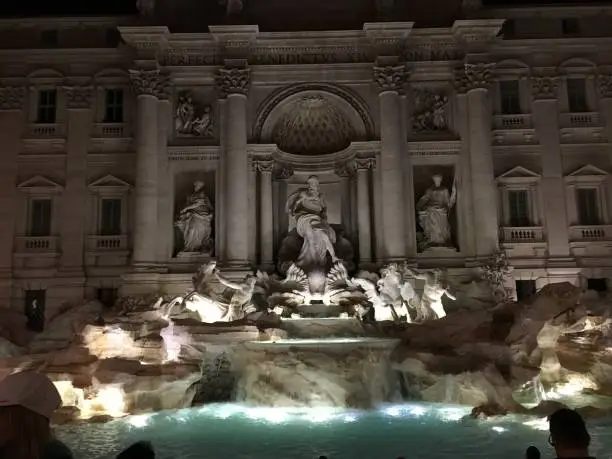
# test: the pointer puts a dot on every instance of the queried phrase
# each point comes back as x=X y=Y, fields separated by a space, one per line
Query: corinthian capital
x=234 y=80
x=605 y=85
x=148 y=82
x=544 y=87
x=364 y=164
x=12 y=97
x=390 y=77
x=478 y=76
x=264 y=166
x=78 y=96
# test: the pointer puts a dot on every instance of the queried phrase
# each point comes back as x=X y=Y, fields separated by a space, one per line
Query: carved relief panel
x=194 y=116
x=430 y=110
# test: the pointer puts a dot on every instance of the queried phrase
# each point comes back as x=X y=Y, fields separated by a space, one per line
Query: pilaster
x=165 y=225
x=465 y=209
x=364 y=168
x=12 y=119
x=265 y=168
x=605 y=94
x=544 y=90
x=74 y=199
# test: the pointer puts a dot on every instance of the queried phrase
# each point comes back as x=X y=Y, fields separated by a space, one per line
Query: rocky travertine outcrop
x=484 y=357
x=133 y=360
x=118 y=362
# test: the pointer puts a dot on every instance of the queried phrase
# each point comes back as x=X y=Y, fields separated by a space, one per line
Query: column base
x=140 y=283
x=235 y=271
x=267 y=267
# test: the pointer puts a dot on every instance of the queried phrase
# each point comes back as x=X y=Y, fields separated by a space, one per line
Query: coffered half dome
x=313 y=126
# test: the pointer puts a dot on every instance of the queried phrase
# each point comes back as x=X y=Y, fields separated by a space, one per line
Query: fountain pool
x=237 y=431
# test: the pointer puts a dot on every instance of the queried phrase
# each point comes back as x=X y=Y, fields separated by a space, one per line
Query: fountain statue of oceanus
x=320 y=352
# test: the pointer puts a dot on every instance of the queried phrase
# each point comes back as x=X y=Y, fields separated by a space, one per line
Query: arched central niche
x=313 y=121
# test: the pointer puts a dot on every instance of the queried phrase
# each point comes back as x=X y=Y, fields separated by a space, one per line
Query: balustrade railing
x=590 y=232
x=520 y=121
x=522 y=234
x=36 y=244
x=107 y=243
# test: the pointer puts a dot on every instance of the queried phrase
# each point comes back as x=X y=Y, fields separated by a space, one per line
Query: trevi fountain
x=316 y=343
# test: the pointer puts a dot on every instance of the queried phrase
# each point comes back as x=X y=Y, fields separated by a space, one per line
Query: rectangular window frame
x=577 y=102
x=591 y=214
x=46 y=107
x=37 y=227
x=110 y=216
x=519 y=219
x=510 y=101
x=114 y=105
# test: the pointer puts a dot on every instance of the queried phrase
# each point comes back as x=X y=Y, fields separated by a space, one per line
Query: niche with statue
x=435 y=191
x=194 y=205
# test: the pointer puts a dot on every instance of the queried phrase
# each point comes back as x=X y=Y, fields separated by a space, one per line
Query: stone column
x=74 y=198
x=147 y=84
x=12 y=118
x=165 y=224
x=465 y=210
x=266 y=214
x=484 y=190
x=605 y=94
x=546 y=122
x=234 y=85
x=390 y=80
x=364 y=218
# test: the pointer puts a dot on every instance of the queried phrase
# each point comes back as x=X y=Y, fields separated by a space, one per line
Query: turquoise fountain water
x=240 y=432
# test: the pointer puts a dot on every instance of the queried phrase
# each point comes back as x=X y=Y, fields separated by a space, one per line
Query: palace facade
x=111 y=127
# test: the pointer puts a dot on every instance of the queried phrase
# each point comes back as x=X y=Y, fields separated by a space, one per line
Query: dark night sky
x=118 y=7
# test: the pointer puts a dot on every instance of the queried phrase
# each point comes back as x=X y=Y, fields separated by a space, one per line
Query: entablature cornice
x=318 y=163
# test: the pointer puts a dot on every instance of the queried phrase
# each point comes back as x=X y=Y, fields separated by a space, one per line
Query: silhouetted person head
x=139 y=450
x=532 y=453
x=568 y=434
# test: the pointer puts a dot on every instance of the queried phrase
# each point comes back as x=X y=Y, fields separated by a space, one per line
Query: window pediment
x=588 y=174
x=109 y=183
x=518 y=175
x=40 y=185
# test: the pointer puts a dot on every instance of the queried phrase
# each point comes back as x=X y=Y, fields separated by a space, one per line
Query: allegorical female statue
x=433 y=208
x=195 y=221
x=309 y=210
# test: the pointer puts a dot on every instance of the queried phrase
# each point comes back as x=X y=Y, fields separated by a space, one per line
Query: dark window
x=509 y=28
x=598 y=285
x=34 y=309
x=518 y=204
x=525 y=289
x=510 y=97
x=570 y=26
x=40 y=217
x=588 y=207
x=47 y=106
x=49 y=38
x=112 y=38
x=576 y=95
x=114 y=106
x=110 y=217
x=107 y=296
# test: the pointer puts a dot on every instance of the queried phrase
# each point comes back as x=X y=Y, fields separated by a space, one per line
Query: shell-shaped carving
x=313 y=126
